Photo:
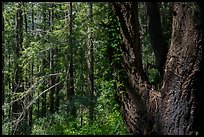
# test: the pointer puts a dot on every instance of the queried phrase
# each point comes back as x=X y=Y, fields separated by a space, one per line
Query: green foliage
x=166 y=20
x=153 y=75
x=50 y=125
x=111 y=124
x=108 y=120
x=6 y=128
x=110 y=127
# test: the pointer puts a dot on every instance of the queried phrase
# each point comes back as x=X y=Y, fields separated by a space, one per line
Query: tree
x=158 y=42
x=8 y=53
x=30 y=109
x=70 y=79
x=181 y=91
x=26 y=73
x=44 y=65
x=90 y=65
x=175 y=109
x=51 y=63
x=58 y=87
x=17 y=107
x=3 y=87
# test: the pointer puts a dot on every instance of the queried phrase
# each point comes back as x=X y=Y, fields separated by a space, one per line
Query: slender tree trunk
x=28 y=98
x=176 y=109
x=57 y=89
x=25 y=17
x=166 y=19
x=60 y=86
x=17 y=107
x=70 y=81
x=10 y=94
x=51 y=81
x=30 y=110
x=44 y=64
x=11 y=84
x=158 y=43
x=82 y=81
x=44 y=95
x=90 y=65
x=3 y=67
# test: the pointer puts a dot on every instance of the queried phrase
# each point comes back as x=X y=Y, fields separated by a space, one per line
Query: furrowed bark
x=182 y=82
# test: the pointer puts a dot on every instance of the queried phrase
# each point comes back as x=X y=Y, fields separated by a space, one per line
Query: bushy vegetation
x=108 y=120
x=56 y=124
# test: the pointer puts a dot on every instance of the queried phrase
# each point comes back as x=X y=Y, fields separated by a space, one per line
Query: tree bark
x=174 y=110
x=181 y=89
x=133 y=101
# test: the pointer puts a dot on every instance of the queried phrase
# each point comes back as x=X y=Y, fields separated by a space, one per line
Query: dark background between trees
x=102 y=68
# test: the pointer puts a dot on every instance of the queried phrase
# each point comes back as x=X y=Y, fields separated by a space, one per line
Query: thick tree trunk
x=176 y=109
x=181 y=88
x=134 y=108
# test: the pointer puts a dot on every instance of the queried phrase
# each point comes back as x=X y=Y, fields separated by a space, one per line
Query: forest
x=102 y=68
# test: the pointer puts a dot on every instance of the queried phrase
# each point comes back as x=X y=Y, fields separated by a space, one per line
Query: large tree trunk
x=175 y=109
x=181 y=88
x=134 y=108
